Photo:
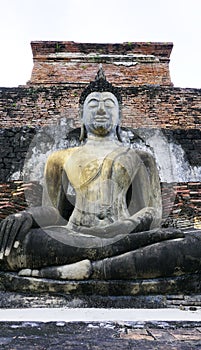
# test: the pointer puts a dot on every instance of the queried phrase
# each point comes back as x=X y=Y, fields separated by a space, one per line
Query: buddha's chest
x=87 y=170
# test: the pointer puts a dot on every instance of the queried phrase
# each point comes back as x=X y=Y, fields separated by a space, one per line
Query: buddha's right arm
x=54 y=189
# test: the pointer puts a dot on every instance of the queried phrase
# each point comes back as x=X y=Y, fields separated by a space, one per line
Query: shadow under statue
x=112 y=231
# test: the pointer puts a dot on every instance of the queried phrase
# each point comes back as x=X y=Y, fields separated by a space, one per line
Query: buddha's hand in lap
x=13 y=230
x=143 y=219
x=140 y=221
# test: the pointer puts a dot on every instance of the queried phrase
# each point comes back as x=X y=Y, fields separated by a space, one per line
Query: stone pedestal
x=173 y=285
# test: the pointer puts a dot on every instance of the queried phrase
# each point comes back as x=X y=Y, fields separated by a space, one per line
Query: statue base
x=191 y=283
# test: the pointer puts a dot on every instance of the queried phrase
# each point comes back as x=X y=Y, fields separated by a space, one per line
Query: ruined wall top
x=125 y=64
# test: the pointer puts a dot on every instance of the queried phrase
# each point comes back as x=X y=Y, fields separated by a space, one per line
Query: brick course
x=144 y=106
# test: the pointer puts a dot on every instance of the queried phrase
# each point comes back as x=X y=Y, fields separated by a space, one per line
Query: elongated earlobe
x=118 y=132
x=82 y=132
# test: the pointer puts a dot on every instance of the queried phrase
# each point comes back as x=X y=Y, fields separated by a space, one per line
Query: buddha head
x=100 y=107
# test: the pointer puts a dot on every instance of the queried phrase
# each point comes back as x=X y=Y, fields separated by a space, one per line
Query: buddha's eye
x=109 y=103
x=93 y=103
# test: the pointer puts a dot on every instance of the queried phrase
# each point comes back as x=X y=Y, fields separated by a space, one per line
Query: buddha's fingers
x=6 y=232
x=24 y=226
x=2 y=230
x=16 y=225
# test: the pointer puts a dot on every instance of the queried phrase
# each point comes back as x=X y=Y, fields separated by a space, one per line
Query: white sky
x=104 y=21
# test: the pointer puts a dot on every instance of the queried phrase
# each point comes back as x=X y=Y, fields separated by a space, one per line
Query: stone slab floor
x=102 y=336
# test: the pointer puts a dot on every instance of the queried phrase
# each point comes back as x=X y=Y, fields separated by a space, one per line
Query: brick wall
x=124 y=64
x=182 y=204
x=14 y=143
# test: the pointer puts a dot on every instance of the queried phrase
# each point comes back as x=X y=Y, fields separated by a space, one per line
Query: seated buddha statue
x=110 y=229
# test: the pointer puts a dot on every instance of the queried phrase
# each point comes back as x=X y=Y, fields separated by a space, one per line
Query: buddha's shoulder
x=137 y=155
x=140 y=153
x=61 y=156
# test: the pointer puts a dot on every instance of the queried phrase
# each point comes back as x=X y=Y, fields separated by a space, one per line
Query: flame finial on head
x=100 y=74
x=100 y=84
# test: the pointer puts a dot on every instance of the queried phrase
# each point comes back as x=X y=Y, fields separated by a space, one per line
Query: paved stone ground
x=102 y=336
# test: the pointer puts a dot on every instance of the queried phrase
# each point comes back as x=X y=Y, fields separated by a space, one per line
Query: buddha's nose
x=101 y=109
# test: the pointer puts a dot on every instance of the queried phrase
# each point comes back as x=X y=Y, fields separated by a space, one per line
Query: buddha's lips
x=101 y=119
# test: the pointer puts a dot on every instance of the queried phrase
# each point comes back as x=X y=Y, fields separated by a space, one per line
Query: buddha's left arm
x=154 y=199
x=146 y=191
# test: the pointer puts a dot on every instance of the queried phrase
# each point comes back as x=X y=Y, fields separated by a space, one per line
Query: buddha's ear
x=120 y=112
x=118 y=128
x=82 y=132
x=80 y=113
x=118 y=133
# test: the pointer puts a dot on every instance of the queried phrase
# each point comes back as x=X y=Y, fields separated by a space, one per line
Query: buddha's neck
x=107 y=139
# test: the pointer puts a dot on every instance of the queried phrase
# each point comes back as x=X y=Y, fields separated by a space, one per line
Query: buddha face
x=101 y=113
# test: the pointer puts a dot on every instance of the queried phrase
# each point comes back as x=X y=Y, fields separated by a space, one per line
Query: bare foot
x=78 y=271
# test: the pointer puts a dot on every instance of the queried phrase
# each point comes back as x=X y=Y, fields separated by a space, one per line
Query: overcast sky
x=104 y=21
